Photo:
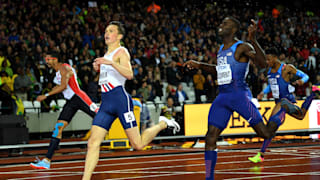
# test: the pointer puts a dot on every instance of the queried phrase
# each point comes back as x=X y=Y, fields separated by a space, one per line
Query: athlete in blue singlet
x=114 y=69
x=279 y=79
x=234 y=94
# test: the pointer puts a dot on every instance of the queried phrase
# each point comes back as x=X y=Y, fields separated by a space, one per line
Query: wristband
x=47 y=94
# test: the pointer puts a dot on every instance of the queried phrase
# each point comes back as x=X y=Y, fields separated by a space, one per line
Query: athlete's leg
x=277 y=113
x=218 y=119
x=291 y=108
x=138 y=141
x=210 y=154
x=54 y=143
x=304 y=107
x=243 y=105
x=129 y=123
x=66 y=115
x=68 y=111
x=94 y=142
x=56 y=137
x=100 y=126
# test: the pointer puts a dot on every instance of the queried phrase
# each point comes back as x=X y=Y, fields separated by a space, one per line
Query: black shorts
x=72 y=106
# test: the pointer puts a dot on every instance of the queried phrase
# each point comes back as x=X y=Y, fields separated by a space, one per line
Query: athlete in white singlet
x=66 y=80
x=114 y=69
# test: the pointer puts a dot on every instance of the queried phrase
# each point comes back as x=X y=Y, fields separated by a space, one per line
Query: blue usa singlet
x=231 y=74
x=234 y=94
x=279 y=87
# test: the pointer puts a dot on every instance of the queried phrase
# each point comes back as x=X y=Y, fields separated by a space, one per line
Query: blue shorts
x=115 y=103
x=290 y=97
x=226 y=103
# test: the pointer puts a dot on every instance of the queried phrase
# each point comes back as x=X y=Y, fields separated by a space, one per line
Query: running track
x=299 y=162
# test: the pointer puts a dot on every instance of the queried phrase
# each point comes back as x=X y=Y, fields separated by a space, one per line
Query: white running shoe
x=170 y=123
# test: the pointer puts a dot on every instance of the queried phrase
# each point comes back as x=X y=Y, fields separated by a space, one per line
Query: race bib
x=103 y=78
x=275 y=91
x=274 y=87
x=224 y=74
x=129 y=117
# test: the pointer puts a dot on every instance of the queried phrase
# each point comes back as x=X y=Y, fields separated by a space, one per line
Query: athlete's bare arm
x=66 y=73
x=252 y=51
x=192 y=64
x=289 y=72
x=121 y=62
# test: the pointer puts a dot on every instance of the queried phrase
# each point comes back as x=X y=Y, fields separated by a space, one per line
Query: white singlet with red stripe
x=109 y=76
x=68 y=92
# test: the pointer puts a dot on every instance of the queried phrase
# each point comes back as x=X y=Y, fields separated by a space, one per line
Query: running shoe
x=315 y=88
x=289 y=107
x=40 y=164
x=257 y=158
x=171 y=123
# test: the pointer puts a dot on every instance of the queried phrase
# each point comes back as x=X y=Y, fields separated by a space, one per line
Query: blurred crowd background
x=161 y=36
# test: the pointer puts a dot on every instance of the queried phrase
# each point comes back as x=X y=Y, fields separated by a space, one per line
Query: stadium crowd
x=159 y=43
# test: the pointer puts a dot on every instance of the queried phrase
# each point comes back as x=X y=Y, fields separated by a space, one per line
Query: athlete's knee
x=212 y=137
x=262 y=130
x=94 y=143
x=272 y=128
x=210 y=143
x=301 y=115
x=57 y=132
x=265 y=134
x=136 y=145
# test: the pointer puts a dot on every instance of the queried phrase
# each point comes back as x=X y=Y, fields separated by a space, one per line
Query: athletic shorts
x=226 y=103
x=290 y=97
x=115 y=103
x=72 y=106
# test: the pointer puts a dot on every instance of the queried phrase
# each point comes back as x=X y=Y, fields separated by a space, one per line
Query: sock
x=306 y=104
x=210 y=161
x=265 y=144
x=54 y=143
x=46 y=161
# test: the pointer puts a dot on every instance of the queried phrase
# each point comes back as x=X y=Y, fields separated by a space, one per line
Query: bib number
x=224 y=74
x=129 y=117
x=274 y=87
x=275 y=90
x=103 y=78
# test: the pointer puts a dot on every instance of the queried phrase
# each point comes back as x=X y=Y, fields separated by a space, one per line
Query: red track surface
x=299 y=162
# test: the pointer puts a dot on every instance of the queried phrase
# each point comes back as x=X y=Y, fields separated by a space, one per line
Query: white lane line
x=278 y=175
x=128 y=163
x=265 y=167
x=169 y=160
x=257 y=177
x=178 y=166
x=150 y=176
x=146 y=162
x=111 y=159
x=41 y=177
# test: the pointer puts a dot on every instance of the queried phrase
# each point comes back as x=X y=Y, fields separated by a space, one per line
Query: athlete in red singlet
x=66 y=80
